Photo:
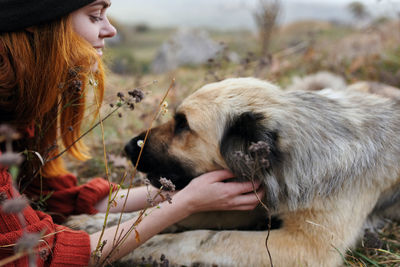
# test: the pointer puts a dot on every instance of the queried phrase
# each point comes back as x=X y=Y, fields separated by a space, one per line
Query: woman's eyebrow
x=104 y=3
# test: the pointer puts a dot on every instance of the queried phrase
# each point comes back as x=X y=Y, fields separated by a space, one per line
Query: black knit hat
x=18 y=14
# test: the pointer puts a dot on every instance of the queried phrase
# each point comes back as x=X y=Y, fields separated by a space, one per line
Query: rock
x=185 y=47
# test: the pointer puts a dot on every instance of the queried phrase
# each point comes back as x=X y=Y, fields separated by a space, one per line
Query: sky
x=234 y=14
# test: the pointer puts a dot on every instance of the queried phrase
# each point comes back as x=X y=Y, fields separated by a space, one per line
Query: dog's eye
x=181 y=123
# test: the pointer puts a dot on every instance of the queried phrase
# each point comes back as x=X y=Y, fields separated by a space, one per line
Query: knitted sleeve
x=58 y=245
x=66 y=197
x=63 y=194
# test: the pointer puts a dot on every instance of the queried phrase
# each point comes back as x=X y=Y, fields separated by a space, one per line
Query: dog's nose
x=129 y=149
x=132 y=148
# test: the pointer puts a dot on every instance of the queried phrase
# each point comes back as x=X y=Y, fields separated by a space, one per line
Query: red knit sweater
x=61 y=246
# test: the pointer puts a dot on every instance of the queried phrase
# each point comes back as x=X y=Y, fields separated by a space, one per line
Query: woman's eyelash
x=96 y=18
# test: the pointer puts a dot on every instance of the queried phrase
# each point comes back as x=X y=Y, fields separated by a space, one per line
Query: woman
x=50 y=54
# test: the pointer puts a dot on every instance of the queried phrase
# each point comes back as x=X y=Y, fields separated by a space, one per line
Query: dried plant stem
x=83 y=135
x=93 y=106
x=12 y=258
x=269 y=217
x=123 y=236
x=50 y=234
x=102 y=139
x=141 y=149
x=95 y=125
x=118 y=242
x=107 y=176
x=389 y=262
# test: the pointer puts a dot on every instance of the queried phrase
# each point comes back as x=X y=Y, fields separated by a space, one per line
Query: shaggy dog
x=327 y=160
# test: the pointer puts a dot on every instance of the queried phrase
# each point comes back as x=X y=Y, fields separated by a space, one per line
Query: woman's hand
x=204 y=193
x=208 y=192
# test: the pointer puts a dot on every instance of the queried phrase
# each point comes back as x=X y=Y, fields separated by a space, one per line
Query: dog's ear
x=251 y=152
x=240 y=135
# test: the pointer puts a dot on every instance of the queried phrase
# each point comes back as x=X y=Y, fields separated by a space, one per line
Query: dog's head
x=212 y=129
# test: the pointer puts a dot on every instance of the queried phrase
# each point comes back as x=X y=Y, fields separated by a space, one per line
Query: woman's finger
x=249 y=198
x=217 y=176
x=244 y=187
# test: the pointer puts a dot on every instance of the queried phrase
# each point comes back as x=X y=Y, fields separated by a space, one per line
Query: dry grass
x=380 y=249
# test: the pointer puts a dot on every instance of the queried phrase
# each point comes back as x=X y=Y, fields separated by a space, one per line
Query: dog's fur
x=333 y=161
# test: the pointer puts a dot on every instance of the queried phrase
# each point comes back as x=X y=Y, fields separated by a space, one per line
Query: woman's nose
x=108 y=30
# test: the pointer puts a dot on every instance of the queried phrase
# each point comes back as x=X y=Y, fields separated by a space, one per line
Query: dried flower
x=256 y=159
x=167 y=184
x=10 y=158
x=76 y=85
x=238 y=154
x=8 y=133
x=27 y=242
x=264 y=162
x=119 y=114
x=120 y=95
x=248 y=159
x=168 y=198
x=260 y=146
x=140 y=143
x=164 y=263
x=260 y=152
x=73 y=72
x=103 y=243
x=150 y=201
x=44 y=254
x=15 y=205
x=136 y=94
x=164 y=108
x=112 y=105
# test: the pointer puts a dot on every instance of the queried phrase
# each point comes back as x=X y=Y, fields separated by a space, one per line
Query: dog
x=328 y=160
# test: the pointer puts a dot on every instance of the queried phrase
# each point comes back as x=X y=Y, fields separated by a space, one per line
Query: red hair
x=44 y=72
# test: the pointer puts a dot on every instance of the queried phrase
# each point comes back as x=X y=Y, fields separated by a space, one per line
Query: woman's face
x=91 y=23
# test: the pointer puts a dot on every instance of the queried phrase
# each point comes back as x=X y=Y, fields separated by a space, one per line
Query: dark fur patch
x=181 y=124
x=389 y=199
x=238 y=137
x=157 y=163
x=239 y=134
